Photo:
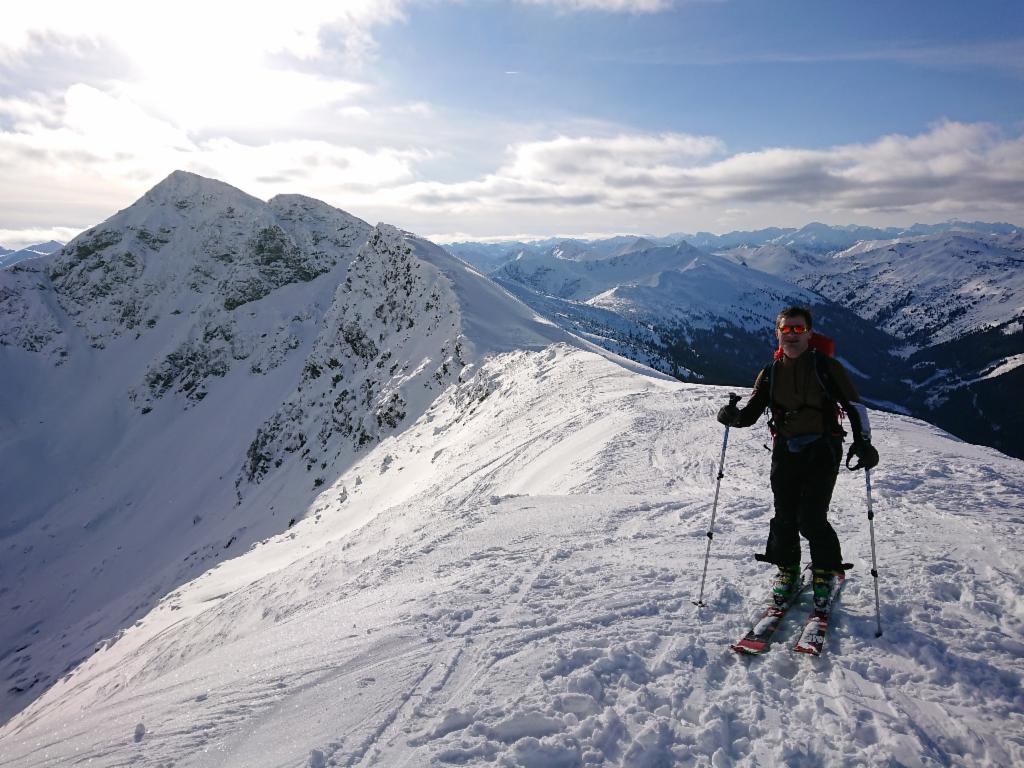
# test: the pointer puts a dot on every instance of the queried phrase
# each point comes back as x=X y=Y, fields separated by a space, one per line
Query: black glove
x=728 y=414
x=866 y=454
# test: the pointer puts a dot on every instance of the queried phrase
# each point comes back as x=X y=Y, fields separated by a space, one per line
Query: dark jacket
x=798 y=401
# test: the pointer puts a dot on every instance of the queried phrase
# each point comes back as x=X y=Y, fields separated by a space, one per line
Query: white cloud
x=951 y=167
x=204 y=66
x=16 y=239
x=180 y=33
x=115 y=137
x=105 y=98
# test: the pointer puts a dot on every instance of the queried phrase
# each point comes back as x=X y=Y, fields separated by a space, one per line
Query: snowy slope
x=931 y=289
x=956 y=302
x=138 y=364
x=508 y=582
x=939 y=312
x=706 y=291
x=490 y=256
x=695 y=315
x=781 y=260
x=182 y=380
x=557 y=275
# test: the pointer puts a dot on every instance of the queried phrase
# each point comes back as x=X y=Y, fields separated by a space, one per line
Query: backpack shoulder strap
x=769 y=372
x=854 y=410
x=840 y=405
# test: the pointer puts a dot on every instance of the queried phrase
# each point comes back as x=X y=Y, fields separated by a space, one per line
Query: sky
x=501 y=119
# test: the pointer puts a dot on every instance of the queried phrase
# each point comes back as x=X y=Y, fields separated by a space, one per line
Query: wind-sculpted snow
x=508 y=582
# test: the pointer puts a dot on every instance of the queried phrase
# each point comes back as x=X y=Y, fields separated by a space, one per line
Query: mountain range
x=9 y=258
x=941 y=312
x=286 y=488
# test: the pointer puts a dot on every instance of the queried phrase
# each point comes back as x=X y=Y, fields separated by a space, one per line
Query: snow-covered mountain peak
x=192 y=245
x=183 y=189
x=238 y=356
x=704 y=292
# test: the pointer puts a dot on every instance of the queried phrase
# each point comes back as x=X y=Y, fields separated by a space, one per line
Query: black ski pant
x=802 y=483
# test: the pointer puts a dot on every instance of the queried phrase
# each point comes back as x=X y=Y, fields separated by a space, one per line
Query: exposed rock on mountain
x=392 y=332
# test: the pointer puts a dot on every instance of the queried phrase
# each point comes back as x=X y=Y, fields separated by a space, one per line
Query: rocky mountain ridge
x=182 y=380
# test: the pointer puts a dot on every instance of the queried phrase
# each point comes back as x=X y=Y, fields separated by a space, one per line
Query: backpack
x=822 y=348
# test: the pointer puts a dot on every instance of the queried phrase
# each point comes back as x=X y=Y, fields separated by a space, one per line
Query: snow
x=707 y=292
x=929 y=289
x=1005 y=366
x=777 y=260
x=495 y=557
x=508 y=582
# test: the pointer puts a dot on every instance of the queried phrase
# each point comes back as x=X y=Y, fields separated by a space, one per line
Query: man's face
x=793 y=334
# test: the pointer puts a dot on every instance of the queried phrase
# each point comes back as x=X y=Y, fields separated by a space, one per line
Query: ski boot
x=822 y=581
x=785 y=584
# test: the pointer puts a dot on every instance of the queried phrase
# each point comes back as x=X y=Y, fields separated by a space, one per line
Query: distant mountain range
x=928 y=318
x=9 y=258
x=814 y=238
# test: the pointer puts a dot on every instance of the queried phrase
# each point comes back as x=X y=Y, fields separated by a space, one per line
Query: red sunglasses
x=798 y=329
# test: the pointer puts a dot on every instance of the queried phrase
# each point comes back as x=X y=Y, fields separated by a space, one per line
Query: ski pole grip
x=734 y=398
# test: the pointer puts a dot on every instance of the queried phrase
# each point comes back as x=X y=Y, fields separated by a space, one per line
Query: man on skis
x=802 y=390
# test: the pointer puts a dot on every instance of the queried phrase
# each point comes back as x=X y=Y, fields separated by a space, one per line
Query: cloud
x=99 y=101
x=234 y=70
x=181 y=31
x=953 y=166
x=15 y=239
x=93 y=152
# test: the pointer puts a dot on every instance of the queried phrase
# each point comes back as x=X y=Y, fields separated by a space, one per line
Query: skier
x=801 y=389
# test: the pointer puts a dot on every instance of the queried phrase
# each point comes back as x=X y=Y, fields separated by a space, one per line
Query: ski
x=812 y=639
x=756 y=641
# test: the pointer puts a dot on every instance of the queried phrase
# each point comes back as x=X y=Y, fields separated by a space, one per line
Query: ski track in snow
x=519 y=593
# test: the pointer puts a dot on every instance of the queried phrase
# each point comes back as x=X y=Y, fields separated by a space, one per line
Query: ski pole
x=699 y=602
x=874 y=561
